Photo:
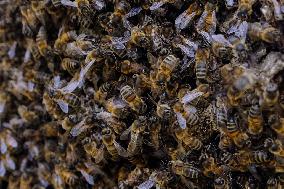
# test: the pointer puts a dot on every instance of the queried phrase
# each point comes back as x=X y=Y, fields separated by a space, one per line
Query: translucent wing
x=181 y=120
x=56 y=82
x=187 y=50
x=9 y=162
x=3 y=146
x=89 y=178
x=99 y=4
x=124 y=134
x=119 y=103
x=31 y=86
x=241 y=32
x=183 y=20
x=221 y=39
x=27 y=56
x=79 y=128
x=190 y=109
x=2 y=106
x=11 y=141
x=147 y=184
x=156 y=5
x=134 y=11
x=191 y=96
x=63 y=105
x=229 y=3
x=104 y=115
x=12 y=50
x=121 y=151
x=69 y=3
x=201 y=20
x=2 y=169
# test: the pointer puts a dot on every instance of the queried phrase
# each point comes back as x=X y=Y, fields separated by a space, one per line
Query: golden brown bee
x=240 y=85
x=101 y=95
x=185 y=18
x=27 y=115
x=140 y=38
x=26 y=180
x=121 y=8
x=92 y=149
x=255 y=120
x=66 y=175
x=113 y=122
x=63 y=39
x=210 y=168
x=30 y=18
x=201 y=64
x=239 y=138
x=177 y=154
x=164 y=111
x=84 y=8
x=51 y=107
x=155 y=128
x=187 y=113
x=207 y=21
x=166 y=67
x=68 y=98
x=270 y=95
x=41 y=41
x=135 y=102
x=229 y=73
x=245 y=8
x=39 y=9
x=70 y=65
x=127 y=67
x=38 y=77
x=277 y=124
x=221 y=49
x=265 y=33
x=117 y=107
x=225 y=142
x=185 y=169
x=108 y=139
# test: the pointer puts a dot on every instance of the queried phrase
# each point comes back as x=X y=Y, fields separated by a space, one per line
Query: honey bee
x=201 y=64
x=265 y=33
x=140 y=38
x=178 y=153
x=135 y=102
x=185 y=169
x=84 y=8
x=64 y=38
x=155 y=128
x=220 y=46
x=101 y=95
x=127 y=67
x=120 y=10
x=117 y=107
x=187 y=112
x=225 y=142
x=245 y=8
x=39 y=9
x=30 y=18
x=166 y=67
x=27 y=115
x=164 y=111
x=26 y=180
x=66 y=175
x=274 y=147
x=239 y=138
x=211 y=168
x=255 y=121
x=64 y=100
x=185 y=18
x=207 y=21
x=70 y=65
x=41 y=41
x=277 y=124
x=51 y=107
x=94 y=151
x=240 y=85
x=270 y=95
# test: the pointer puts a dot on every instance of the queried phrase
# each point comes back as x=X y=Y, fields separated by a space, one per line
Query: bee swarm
x=141 y=94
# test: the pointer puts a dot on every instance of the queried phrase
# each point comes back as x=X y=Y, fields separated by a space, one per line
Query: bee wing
x=12 y=50
x=181 y=120
x=120 y=150
x=183 y=20
x=124 y=134
x=69 y=3
x=201 y=21
x=187 y=50
x=190 y=109
x=78 y=128
x=3 y=146
x=103 y=115
x=99 y=4
x=134 y=11
x=2 y=106
x=147 y=184
x=191 y=96
x=89 y=178
x=63 y=105
x=11 y=141
x=229 y=3
x=242 y=30
x=56 y=82
x=31 y=86
x=9 y=162
x=2 y=169
x=157 y=5
x=221 y=39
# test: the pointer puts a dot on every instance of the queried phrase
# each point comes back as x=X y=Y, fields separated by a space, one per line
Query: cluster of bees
x=141 y=94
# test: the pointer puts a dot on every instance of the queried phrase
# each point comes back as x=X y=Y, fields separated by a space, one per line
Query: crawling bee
x=201 y=64
x=255 y=120
x=207 y=21
x=117 y=107
x=211 y=168
x=27 y=115
x=135 y=102
x=140 y=37
x=188 y=113
x=41 y=41
x=166 y=67
x=67 y=175
x=70 y=65
x=277 y=124
x=51 y=106
x=184 y=169
x=264 y=33
x=127 y=67
x=164 y=111
x=120 y=10
x=270 y=95
x=220 y=46
x=93 y=150
x=245 y=8
x=154 y=129
x=29 y=20
x=185 y=18
x=101 y=94
x=63 y=39
x=225 y=142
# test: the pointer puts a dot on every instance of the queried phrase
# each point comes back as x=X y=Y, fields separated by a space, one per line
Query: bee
x=50 y=129
x=70 y=65
x=239 y=86
x=274 y=146
x=221 y=47
x=91 y=148
x=207 y=21
x=37 y=76
x=221 y=112
x=260 y=157
x=164 y=111
x=140 y=38
x=225 y=142
x=108 y=139
x=26 y=180
x=51 y=107
x=29 y=19
x=245 y=8
x=122 y=176
x=188 y=113
x=210 y=168
x=155 y=128
x=271 y=94
x=166 y=67
x=178 y=153
x=185 y=18
x=66 y=175
x=101 y=95
x=127 y=67
x=277 y=124
x=273 y=183
x=64 y=38
x=185 y=169
x=41 y=41
x=64 y=100
x=255 y=121
x=201 y=64
x=120 y=10
x=39 y=9
x=84 y=8
x=264 y=33
x=27 y=115
x=135 y=102
x=239 y=138
x=221 y=183
x=117 y=107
